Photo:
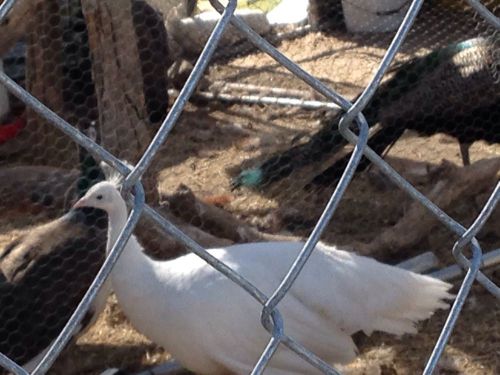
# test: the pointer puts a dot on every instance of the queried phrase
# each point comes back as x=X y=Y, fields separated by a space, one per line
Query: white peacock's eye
x=99 y=197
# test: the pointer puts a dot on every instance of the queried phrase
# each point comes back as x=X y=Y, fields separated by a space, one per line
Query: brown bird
x=43 y=276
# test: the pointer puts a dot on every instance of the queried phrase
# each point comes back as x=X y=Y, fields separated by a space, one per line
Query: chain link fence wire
x=267 y=145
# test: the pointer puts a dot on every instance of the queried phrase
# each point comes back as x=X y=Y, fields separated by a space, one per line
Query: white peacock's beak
x=82 y=202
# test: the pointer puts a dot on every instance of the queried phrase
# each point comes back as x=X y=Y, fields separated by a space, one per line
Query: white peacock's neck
x=132 y=255
x=133 y=277
x=117 y=220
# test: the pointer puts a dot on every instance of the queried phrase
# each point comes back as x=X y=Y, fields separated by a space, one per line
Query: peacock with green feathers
x=453 y=90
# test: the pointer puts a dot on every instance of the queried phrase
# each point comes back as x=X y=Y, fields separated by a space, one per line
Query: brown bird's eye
x=99 y=197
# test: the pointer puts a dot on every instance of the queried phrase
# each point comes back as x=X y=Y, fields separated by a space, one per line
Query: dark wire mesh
x=252 y=126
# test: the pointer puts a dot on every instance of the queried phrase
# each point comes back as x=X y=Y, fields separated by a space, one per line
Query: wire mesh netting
x=266 y=147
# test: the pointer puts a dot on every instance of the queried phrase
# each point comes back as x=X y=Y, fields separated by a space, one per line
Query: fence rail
x=271 y=318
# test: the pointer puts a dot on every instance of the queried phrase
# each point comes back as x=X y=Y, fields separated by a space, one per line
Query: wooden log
x=220 y=223
x=128 y=43
x=453 y=183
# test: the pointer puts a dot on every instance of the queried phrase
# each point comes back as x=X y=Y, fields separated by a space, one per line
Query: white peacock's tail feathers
x=112 y=175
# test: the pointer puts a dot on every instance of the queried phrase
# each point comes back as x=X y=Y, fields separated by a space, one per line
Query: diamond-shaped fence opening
x=243 y=128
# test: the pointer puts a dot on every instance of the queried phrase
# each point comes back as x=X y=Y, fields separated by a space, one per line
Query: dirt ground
x=213 y=141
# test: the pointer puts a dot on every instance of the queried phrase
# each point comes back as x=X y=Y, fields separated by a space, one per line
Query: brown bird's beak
x=82 y=202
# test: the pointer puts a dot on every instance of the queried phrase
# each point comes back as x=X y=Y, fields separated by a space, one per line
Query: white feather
x=112 y=175
x=212 y=326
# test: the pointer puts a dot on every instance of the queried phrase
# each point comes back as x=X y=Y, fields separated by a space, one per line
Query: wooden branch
x=454 y=183
x=184 y=204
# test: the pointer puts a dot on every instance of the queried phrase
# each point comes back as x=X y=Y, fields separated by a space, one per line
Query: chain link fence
x=89 y=82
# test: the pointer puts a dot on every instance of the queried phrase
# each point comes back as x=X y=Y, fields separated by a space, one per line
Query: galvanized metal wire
x=271 y=318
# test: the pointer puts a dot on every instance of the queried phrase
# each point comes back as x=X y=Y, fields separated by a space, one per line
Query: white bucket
x=374 y=15
x=289 y=12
